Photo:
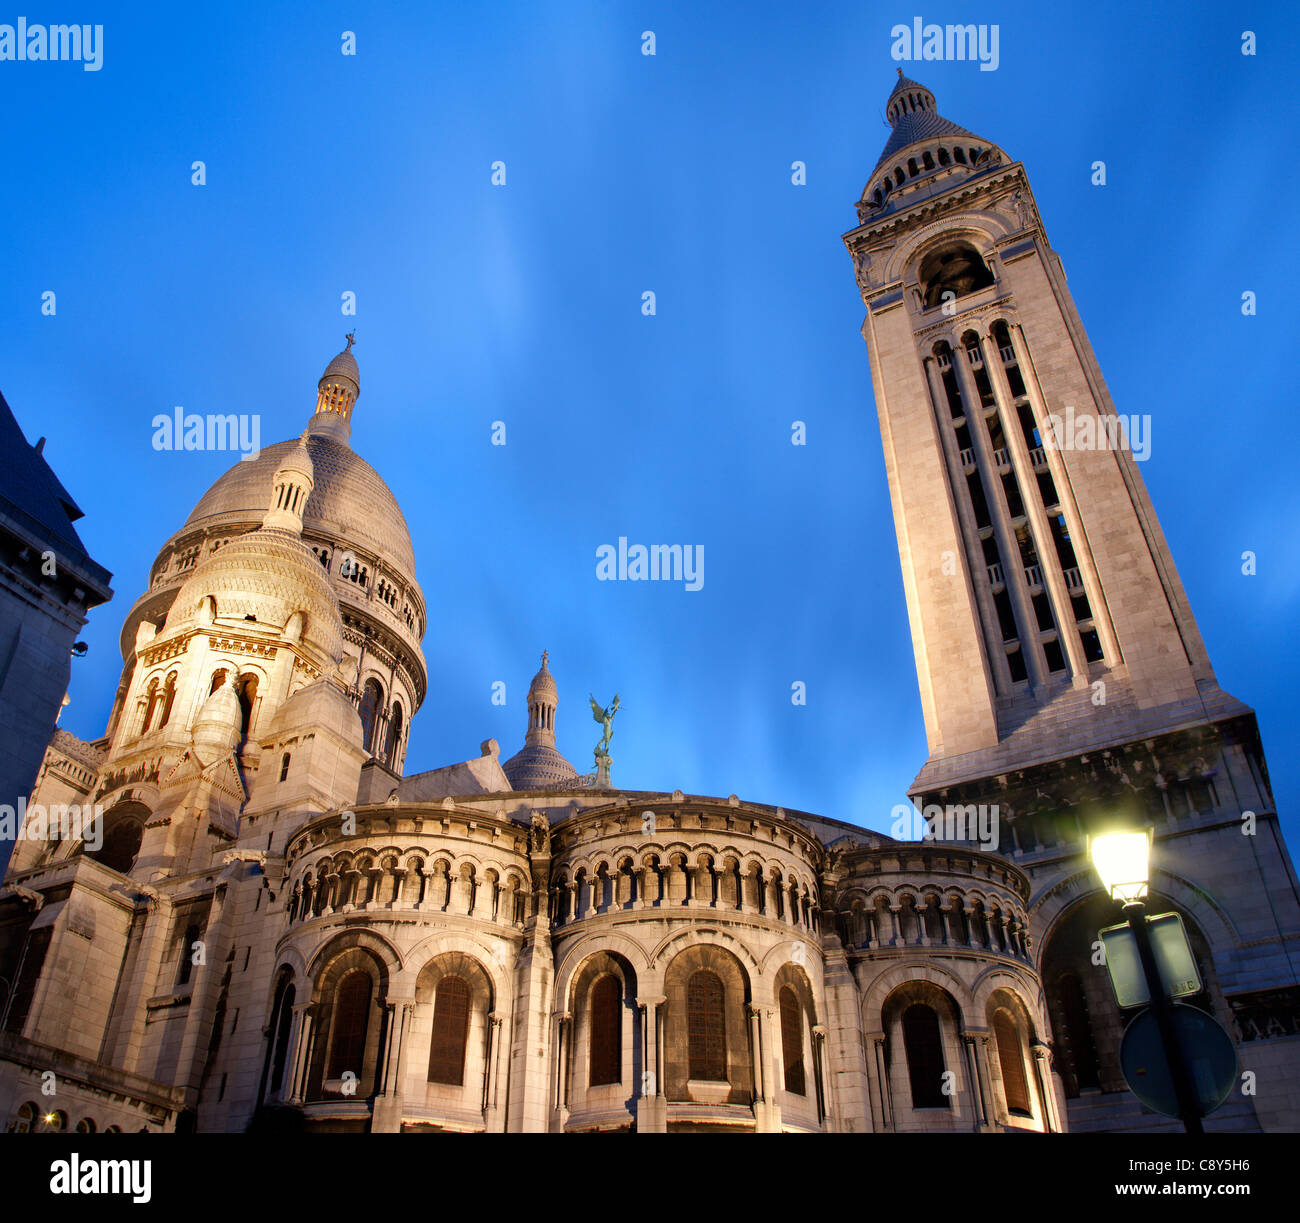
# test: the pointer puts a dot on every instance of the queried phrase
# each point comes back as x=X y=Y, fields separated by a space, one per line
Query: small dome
x=321 y=706
x=543 y=686
x=298 y=459
x=537 y=767
x=344 y=366
x=216 y=729
x=266 y=575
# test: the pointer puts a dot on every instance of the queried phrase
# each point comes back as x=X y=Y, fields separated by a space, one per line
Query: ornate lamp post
x=1122 y=860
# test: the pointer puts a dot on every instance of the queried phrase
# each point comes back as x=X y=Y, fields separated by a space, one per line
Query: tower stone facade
x=1063 y=680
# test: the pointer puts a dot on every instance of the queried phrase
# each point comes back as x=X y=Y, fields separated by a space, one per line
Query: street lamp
x=1123 y=861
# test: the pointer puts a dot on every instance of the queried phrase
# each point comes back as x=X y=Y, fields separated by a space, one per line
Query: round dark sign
x=1208 y=1052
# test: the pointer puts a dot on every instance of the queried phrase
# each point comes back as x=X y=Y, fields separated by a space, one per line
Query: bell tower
x=1035 y=570
x=1063 y=680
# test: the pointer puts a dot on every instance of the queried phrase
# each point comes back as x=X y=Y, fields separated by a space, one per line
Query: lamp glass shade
x=1122 y=860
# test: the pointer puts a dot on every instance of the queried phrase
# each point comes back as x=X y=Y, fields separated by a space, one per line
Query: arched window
x=122 y=838
x=957 y=268
x=1013 y=1064
x=280 y=1028
x=169 y=696
x=26 y=1122
x=924 y=1048
x=247 y=693
x=372 y=697
x=151 y=706
x=218 y=678
x=792 y=1041
x=606 y=1031
x=351 y=1019
x=450 y=1032
x=706 y=1027
x=394 y=738
x=85 y=1126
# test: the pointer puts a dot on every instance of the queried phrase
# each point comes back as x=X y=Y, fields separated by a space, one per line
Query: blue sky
x=626 y=173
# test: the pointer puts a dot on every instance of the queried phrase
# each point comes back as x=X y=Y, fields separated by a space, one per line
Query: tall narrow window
x=394 y=736
x=281 y=1028
x=169 y=696
x=246 y=690
x=351 y=1020
x=185 y=968
x=450 y=1032
x=372 y=697
x=29 y=975
x=924 y=1048
x=706 y=1027
x=1012 y=1063
x=151 y=706
x=792 y=1041
x=606 y=1031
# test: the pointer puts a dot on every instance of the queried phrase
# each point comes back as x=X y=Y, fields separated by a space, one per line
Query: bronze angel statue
x=606 y=718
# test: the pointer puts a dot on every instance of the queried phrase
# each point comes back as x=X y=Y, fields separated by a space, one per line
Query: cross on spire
x=351 y=338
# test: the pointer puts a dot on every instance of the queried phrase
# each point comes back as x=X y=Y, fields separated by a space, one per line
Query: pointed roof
x=911 y=124
x=344 y=365
x=34 y=496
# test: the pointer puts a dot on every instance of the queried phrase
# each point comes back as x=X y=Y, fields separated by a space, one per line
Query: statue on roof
x=606 y=718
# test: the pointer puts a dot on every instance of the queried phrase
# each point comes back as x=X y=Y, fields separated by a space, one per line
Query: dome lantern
x=538 y=765
x=543 y=697
x=336 y=394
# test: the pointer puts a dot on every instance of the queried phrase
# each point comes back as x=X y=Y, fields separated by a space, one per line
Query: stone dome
x=350 y=502
x=267 y=574
x=343 y=366
x=216 y=729
x=536 y=767
x=543 y=686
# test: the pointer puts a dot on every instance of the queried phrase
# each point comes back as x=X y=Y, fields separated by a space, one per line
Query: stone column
x=879 y=1076
x=976 y=1042
x=300 y=1052
x=819 y=1072
x=387 y=1116
x=1013 y=571
x=897 y=940
x=948 y=936
x=1056 y=465
x=1043 y=1082
x=491 y=1069
x=651 y=1104
x=767 y=1109
x=1048 y=561
x=979 y=571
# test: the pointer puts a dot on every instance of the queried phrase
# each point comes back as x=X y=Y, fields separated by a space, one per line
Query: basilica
x=278 y=925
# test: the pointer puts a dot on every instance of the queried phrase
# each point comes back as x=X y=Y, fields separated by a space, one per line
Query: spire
x=907 y=98
x=291 y=485
x=914 y=115
x=542 y=700
x=336 y=394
